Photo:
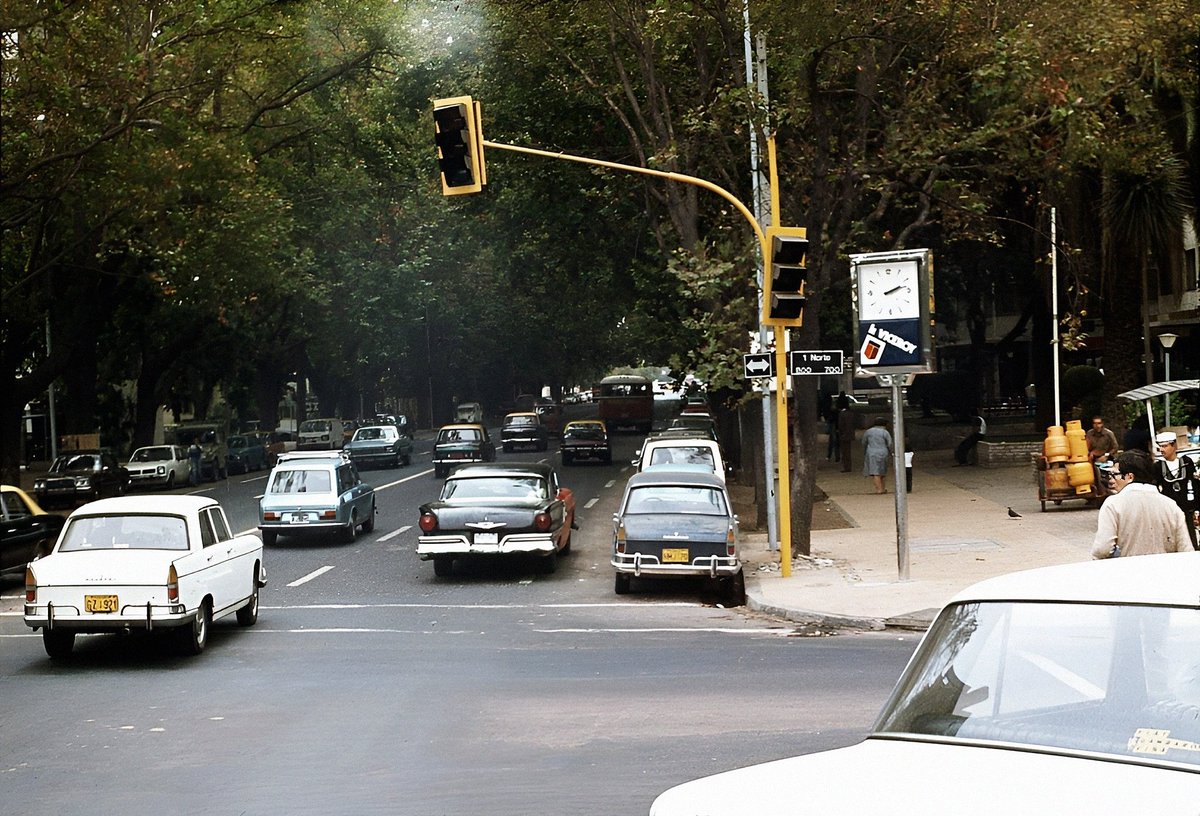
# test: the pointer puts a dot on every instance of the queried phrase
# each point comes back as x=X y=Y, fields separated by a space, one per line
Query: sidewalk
x=959 y=532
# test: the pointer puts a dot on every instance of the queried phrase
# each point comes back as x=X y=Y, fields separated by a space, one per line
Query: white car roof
x=119 y=505
x=1171 y=579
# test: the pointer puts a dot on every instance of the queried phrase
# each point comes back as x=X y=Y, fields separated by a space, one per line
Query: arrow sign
x=760 y=364
x=814 y=362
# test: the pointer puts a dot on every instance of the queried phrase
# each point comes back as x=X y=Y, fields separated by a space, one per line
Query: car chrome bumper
x=712 y=566
x=53 y=616
x=303 y=526
x=430 y=546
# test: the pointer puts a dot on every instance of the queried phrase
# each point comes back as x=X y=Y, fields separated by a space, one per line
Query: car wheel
x=507 y=448
x=567 y=459
x=248 y=614
x=547 y=564
x=541 y=446
x=566 y=550
x=735 y=589
x=442 y=565
x=368 y=524
x=439 y=472
x=622 y=583
x=170 y=481
x=58 y=643
x=351 y=531
x=269 y=537
x=194 y=637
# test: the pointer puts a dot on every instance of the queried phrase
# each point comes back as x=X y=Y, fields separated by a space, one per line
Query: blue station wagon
x=313 y=494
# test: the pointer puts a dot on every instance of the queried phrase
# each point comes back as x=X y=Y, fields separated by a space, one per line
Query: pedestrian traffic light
x=459 y=136
x=783 y=276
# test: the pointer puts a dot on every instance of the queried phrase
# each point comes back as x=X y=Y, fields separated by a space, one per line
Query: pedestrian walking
x=195 y=453
x=1137 y=519
x=846 y=422
x=833 y=450
x=1178 y=480
x=966 y=448
x=877 y=449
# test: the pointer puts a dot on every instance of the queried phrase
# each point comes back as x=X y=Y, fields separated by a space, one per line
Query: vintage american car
x=498 y=509
x=247 y=453
x=315 y=493
x=380 y=445
x=523 y=429
x=585 y=439
x=28 y=531
x=81 y=475
x=1067 y=689
x=158 y=466
x=460 y=443
x=142 y=564
x=674 y=523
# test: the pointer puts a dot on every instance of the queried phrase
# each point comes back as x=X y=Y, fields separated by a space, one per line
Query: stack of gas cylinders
x=1068 y=469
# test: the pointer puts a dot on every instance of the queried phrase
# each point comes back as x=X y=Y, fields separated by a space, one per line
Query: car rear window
x=681 y=455
x=301 y=481
x=704 y=501
x=459 y=435
x=128 y=532
x=520 y=420
x=498 y=488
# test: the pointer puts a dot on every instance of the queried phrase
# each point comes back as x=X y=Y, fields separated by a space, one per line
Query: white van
x=320 y=434
x=469 y=412
x=681 y=453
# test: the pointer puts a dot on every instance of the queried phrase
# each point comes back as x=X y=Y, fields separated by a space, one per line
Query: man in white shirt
x=1138 y=520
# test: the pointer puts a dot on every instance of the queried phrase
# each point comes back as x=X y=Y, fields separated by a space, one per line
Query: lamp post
x=1167 y=339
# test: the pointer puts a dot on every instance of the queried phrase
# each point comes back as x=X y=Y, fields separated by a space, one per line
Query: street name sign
x=815 y=362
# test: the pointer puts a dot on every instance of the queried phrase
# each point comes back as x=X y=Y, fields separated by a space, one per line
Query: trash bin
x=908 y=457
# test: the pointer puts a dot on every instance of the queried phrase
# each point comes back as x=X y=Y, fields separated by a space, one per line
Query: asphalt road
x=370 y=686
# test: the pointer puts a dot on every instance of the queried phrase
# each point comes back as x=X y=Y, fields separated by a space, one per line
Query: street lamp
x=1167 y=339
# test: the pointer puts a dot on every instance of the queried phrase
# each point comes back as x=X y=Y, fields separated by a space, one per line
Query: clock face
x=888 y=291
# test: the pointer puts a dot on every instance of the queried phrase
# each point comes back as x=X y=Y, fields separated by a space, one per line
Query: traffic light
x=783 y=276
x=459 y=136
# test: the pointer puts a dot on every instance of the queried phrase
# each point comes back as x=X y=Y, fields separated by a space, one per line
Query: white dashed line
x=591 y=503
x=314 y=574
x=394 y=533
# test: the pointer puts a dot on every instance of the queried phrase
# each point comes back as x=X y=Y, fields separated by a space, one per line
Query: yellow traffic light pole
x=781 y=414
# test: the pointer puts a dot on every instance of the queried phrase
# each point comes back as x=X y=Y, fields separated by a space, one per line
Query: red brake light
x=270 y=515
x=329 y=514
x=542 y=522
x=428 y=522
x=731 y=542
x=172 y=585
x=30 y=586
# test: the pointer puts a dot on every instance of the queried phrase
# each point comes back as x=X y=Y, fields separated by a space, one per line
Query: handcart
x=1053 y=484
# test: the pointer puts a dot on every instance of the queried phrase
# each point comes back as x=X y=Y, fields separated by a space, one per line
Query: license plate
x=458 y=455
x=100 y=603
x=675 y=556
x=298 y=518
x=487 y=538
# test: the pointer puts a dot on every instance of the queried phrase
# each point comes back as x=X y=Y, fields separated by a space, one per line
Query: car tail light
x=329 y=514
x=621 y=538
x=172 y=585
x=731 y=542
x=542 y=522
x=270 y=515
x=428 y=522
x=30 y=586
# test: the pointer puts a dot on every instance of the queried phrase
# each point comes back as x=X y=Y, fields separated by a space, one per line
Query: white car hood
x=883 y=776
x=105 y=567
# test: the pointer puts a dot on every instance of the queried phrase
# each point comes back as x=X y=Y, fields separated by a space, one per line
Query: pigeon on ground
x=1014 y=514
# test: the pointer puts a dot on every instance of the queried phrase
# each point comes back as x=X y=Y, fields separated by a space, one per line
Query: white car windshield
x=131 y=532
x=704 y=501
x=301 y=481
x=1113 y=679
x=374 y=434
x=152 y=455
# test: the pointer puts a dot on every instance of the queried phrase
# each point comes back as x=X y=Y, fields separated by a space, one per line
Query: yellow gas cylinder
x=1077 y=441
x=1056 y=479
x=1080 y=474
x=1056 y=447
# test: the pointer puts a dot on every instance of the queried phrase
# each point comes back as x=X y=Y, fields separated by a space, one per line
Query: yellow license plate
x=675 y=556
x=100 y=603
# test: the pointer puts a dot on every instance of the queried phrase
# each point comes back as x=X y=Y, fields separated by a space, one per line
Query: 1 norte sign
x=814 y=362
x=758 y=364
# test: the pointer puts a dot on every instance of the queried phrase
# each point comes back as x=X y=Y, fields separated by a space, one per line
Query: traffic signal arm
x=784 y=276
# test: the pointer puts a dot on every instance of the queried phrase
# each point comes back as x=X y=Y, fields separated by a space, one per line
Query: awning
x=1159 y=389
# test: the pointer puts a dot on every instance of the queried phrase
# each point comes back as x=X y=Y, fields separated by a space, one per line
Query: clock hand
x=896 y=289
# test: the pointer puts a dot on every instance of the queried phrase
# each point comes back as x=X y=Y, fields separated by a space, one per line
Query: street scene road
x=369 y=685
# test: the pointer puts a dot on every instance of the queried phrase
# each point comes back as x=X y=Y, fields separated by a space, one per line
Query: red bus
x=626 y=399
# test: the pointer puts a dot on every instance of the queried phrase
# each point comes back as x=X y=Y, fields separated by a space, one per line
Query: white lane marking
x=396 y=532
x=483 y=606
x=591 y=503
x=405 y=479
x=254 y=479
x=609 y=483
x=317 y=573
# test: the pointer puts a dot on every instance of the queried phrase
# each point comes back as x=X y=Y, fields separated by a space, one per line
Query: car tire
x=439 y=472
x=58 y=644
x=622 y=583
x=547 y=564
x=507 y=448
x=170 y=485
x=368 y=524
x=443 y=565
x=541 y=446
x=735 y=589
x=350 y=532
x=567 y=459
x=248 y=614
x=269 y=537
x=607 y=459
x=194 y=636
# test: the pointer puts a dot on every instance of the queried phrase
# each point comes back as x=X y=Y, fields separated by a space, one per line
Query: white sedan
x=1071 y=689
x=144 y=563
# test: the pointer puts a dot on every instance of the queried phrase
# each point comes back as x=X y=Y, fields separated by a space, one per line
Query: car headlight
x=161 y=470
x=83 y=482
x=39 y=484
